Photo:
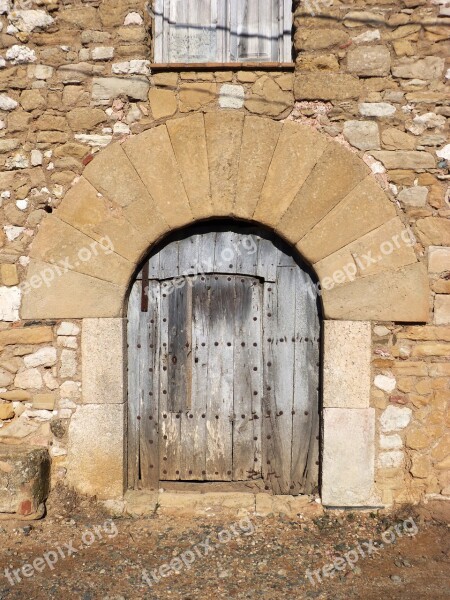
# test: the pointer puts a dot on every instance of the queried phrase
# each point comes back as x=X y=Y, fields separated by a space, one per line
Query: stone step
x=139 y=503
x=24 y=481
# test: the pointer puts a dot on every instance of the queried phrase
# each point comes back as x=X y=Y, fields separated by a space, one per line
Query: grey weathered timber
x=224 y=365
x=247 y=383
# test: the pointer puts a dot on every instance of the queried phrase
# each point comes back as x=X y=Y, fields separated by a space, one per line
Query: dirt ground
x=80 y=553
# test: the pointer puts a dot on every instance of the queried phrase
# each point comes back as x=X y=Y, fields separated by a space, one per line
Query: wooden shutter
x=195 y=31
x=187 y=31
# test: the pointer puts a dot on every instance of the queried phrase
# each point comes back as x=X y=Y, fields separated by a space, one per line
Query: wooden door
x=224 y=365
x=210 y=380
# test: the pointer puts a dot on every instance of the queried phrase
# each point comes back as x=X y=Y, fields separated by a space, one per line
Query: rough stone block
x=434 y=231
x=348 y=469
x=346 y=371
x=364 y=135
x=369 y=61
x=103 y=362
x=24 y=480
x=105 y=89
x=162 y=102
x=316 y=85
x=442 y=309
x=96 y=454
x=438 y=259
x=405 y=159
x=231 y=96
x=428 y=68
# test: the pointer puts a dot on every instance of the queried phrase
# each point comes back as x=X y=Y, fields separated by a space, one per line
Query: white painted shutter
x=195 y=31
x=187 y=31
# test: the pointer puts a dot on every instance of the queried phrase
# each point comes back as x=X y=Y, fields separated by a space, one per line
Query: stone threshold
x=138 y=503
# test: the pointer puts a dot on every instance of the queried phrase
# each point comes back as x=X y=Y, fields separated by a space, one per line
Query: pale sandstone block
x=103 y=361
x=162 y=102
x=333 y=178
x=346 y=371
x=259 y=140
x=58 y=242
x=69 y=296
x=364 y=209
x=442 y=309
x=99 y=218
x=96 y=455
x=438 y=259
x=113 y=175
x=298 y=150
x=153 y=157
x=223 y=140
x=374 y=253
x=348 y=469
x=401 y=295
x=189 y=145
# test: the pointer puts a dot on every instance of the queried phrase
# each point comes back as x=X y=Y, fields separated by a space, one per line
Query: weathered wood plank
x=247 y=380
x=149 y=368
x=268 y=260
x=133 y=336
x=247 y=254
x=179 y=368
x=169 y=438
x=168 y=261
x=193 y=424
x=305 y=420
x=225 y=255
x=220 y=378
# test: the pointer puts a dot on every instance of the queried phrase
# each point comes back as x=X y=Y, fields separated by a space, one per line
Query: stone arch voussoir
x=314 y=192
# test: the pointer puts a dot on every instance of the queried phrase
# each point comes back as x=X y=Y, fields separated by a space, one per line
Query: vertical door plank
x=133 y=333
x=169 y=430
x=153 y=267
x=193 y=424
x=188 y=255
x=179 y=358
x=279 y=371
x=268 y=260
x=220 y=379
x=305 y=420
x=168 y=261
x=225 y=255
x=247 y=254
x=247 y=380
x=206 y=251
x=149 y=367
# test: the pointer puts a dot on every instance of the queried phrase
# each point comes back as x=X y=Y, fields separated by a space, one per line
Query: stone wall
x=75 y=76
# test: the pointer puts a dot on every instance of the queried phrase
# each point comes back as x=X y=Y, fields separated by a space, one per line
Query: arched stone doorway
x=223 y=363
x=310 y=190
